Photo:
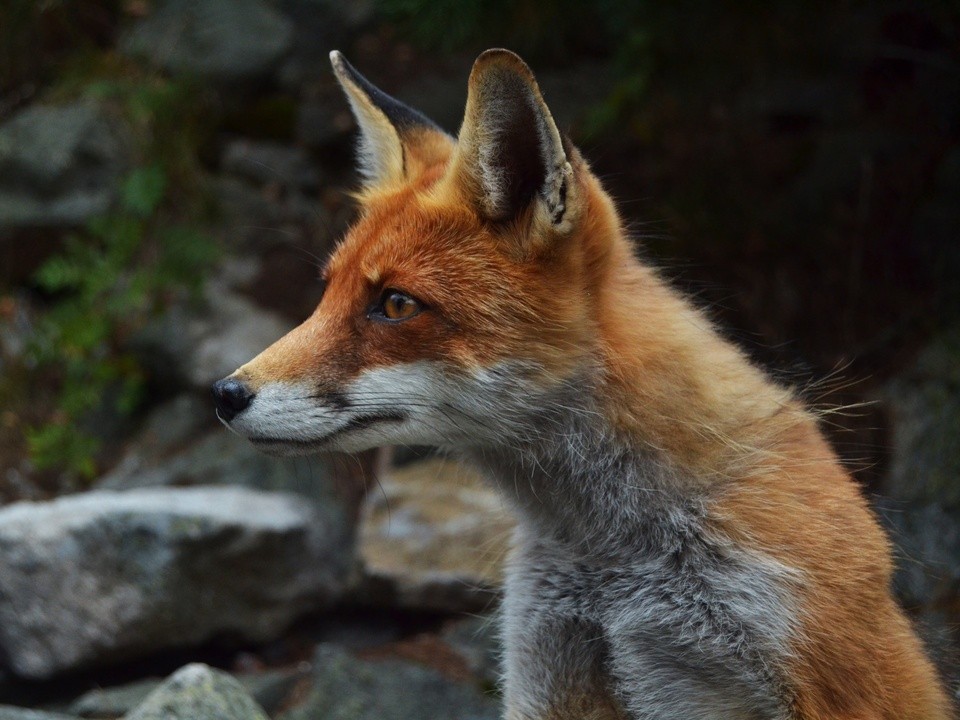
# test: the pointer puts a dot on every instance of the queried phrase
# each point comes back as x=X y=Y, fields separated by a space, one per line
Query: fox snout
x=231 y=397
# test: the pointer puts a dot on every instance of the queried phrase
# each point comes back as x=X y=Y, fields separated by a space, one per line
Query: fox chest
x=695 y=633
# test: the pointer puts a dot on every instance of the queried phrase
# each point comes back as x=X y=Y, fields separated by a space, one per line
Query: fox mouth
x=354 y=424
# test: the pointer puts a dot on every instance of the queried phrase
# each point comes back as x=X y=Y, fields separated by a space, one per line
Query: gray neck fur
x=696 y=627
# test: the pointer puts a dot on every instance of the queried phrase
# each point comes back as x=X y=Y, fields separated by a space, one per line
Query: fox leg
x=554 y=657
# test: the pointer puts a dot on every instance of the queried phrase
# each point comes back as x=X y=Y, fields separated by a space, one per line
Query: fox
x=688 y=545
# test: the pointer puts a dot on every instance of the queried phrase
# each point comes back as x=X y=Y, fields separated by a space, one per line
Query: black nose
x=231 y=396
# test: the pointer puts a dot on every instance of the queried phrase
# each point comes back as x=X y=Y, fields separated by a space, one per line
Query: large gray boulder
x=221 y=40
x=59 y=166
x=197 y=692
x=101 y=576
x=346 y=688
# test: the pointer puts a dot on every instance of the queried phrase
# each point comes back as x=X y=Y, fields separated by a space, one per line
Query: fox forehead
x=418 y=245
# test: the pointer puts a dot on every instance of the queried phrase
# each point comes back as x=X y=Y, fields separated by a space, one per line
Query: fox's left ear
x=510 y=155
x=396 y=141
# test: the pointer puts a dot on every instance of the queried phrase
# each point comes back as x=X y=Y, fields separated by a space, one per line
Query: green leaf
x=62 y=446
x=186 y=255
x=59 y=273
x=143 y=190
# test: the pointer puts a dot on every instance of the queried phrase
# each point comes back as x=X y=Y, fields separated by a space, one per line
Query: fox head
x=464 y=294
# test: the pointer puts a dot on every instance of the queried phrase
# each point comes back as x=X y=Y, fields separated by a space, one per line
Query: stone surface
x=181 y=444
x=319 y=27
x=222 y=40
x=198 y=345
x=9 y=712
x=922 y=486
x=197 y=692
x=345 y=688
x=323 y=118
x=925 y=414
x=433 y=536
x=59 y=166
x=477 y=640
x=97 y=577
x=255 y=219
x=268 y=162
x=273 y=688
x=113 y=702
x=269 y=689
x=921 y=493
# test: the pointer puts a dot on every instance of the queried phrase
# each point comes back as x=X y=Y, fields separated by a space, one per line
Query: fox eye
x=396 y=305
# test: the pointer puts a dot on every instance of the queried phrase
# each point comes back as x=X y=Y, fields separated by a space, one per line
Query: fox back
x=688 y=544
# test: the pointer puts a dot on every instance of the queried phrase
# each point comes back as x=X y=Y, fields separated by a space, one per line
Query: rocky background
x=171 y=175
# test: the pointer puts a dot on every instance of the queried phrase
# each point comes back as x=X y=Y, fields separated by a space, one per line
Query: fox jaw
x=460 y=301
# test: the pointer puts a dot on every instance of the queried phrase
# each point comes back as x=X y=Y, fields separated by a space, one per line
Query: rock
x=182 y=445
x=267 y=162
x=434 y=538
x=197 y=345
x=921 y=503
x=925 y=414
x=345 y=688
x=323 y=118
x=8 y=712
x=272 y=688
x=197 y=692
x=922 y=487
x=59 y=166
x=224 y=41
x=477 y=640
x=97 y=577
x=269 y=689
x=255 y=220
x=319 y=27
x=113 y=702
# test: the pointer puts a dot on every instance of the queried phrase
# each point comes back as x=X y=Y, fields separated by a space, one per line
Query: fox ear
x=393 y=136
x=510 y=153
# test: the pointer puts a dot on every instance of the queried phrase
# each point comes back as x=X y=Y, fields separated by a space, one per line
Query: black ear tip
x=353 y=83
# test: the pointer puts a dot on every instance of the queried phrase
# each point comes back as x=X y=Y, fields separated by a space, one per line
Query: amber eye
x=397 y=306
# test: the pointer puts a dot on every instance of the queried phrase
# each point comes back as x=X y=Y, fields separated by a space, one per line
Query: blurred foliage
x=110 y=278
x=542 y=29
x=561 y=32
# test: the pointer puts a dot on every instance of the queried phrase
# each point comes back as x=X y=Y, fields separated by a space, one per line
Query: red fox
x=688 y=545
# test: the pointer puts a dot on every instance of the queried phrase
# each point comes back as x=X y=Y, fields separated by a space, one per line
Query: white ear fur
x=382 y=121
x=509 y=143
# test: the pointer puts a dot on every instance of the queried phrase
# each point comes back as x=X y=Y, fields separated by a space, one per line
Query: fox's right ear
x=395 y=140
